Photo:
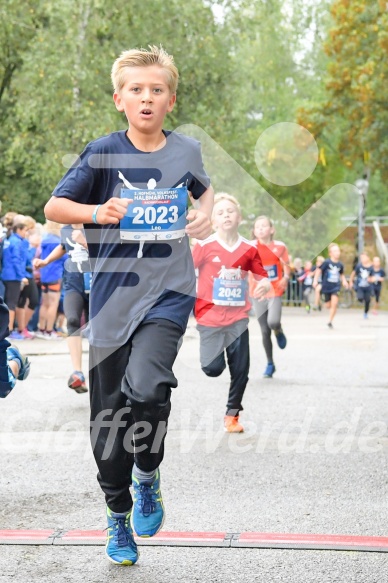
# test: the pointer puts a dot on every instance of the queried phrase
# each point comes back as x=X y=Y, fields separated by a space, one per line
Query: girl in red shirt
x=274 y=256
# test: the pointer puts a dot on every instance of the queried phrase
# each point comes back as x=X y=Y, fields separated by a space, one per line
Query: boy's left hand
x=199 y=226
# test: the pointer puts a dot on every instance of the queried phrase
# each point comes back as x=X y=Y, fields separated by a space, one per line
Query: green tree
x=350 y=117
x=62 y=95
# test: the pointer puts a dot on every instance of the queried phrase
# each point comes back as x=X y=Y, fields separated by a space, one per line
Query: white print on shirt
x=333 y=276
x=363 y=275
x=78 y=254
x=232 y=274
x=151 y=184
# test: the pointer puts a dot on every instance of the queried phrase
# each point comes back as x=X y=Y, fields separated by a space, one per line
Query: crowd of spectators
x=32 y=295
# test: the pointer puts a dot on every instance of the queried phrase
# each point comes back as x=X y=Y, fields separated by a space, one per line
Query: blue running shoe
x=280 y=338
x=24 y=364
x=121 y=548
x=148 y=511
x=15 y=335
x=268 y=373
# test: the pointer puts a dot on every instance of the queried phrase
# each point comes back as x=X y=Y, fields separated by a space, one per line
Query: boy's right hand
x=38 y=263
x=112 y=211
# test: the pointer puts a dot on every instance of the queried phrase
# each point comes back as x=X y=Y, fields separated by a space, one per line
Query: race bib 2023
x=158 y=214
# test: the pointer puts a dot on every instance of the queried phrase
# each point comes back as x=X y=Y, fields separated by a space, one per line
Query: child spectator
x=29 y=296
x=14 y=272
x=297 y=272
x=50 y=281
x=307 y=283
x=317 y=292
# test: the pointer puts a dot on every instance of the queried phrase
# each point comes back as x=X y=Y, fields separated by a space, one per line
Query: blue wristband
x=94 y=216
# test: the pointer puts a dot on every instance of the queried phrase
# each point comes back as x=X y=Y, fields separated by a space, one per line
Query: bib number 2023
x=150 y=215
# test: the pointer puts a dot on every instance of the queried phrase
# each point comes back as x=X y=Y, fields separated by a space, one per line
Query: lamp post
x=362 y=184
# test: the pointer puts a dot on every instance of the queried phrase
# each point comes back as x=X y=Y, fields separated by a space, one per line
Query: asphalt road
x=313 y=460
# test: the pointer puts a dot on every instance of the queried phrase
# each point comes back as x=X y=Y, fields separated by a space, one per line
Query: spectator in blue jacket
x=29 y=298
x=51 y=281
x=14 y=271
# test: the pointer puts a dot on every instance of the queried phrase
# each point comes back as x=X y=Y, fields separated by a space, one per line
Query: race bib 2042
x=158 y=214
x=229 y=292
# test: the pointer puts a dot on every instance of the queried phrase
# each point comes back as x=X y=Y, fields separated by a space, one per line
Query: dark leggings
x=75 y=304
x=269 y=313
x=29 y=292
x=130 y=390
x=12 y=293
x=363 y=296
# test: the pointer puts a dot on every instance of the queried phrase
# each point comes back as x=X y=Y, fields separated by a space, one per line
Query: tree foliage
x=352 y=114
x=241 y=72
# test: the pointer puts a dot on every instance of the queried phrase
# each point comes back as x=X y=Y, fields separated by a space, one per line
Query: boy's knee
x=150 y=405
x=274 y=325
x=144 y=394
x=213 y=370
x=73 y=326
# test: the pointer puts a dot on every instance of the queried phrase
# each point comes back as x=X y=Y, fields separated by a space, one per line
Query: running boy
x=13 y=366
x=143 y=284
x=76 y=287
x=274 y=256
x=222 y=307
x=378 y=276
x=332 y=272
x=363 y=275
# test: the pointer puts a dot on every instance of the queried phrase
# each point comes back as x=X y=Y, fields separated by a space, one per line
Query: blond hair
x=52 y=227
x=225 y=196
x=144 y=58
x=29 y=222
x=320 y=258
